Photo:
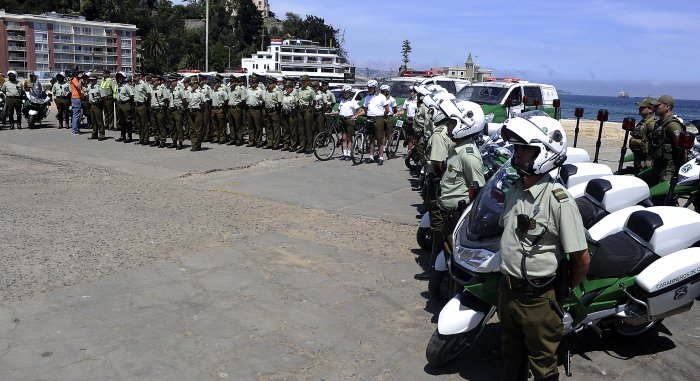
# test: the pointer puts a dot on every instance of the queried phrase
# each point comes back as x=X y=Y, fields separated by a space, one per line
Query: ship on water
x=623 y=94
x=293 y=58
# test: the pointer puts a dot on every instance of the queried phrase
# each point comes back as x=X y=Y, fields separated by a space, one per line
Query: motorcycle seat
x=619 y=255
x=590 y=212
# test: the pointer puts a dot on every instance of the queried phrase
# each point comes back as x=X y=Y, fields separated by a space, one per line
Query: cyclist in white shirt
x=409 y=107
x=376 y=107
x=346 y=110
x=390 y=119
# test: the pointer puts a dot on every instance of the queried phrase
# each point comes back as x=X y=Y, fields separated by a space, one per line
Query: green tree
x=405 y=51
x=155 y=47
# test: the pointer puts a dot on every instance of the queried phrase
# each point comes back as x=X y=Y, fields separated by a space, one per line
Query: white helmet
x=470 y=121
x=11 y=72
x=347 y=88
x=120 y=73
x=62 y=74
x=442 y=105
x=385 y=88
x=372 y=83
x=538 y=131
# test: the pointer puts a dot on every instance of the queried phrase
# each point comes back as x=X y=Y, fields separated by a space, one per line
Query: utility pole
x=229 y=55
x=206 y=40
x=262 y=38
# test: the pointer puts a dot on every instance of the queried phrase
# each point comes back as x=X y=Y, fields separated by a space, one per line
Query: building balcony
x=16 y=38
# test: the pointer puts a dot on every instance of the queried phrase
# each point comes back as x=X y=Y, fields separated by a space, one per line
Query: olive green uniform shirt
x=207 y=91
x=124 y=92
x=94 y=94
x=440 y=145
x=254 y=97
x=60 y=90
x=159 y=96
x=464 y=166
x=177 y=97
x=12 y=89
x=306 y=97
x=195 y=100
x=141 y=91
x=556 y=219
x=236 y=96
x=640 y=135
x=289 y=102
x=272 y=99
x=219 y=97
x=423 y=122
x=328 y=99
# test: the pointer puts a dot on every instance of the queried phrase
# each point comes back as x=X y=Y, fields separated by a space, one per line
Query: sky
x=592 y=47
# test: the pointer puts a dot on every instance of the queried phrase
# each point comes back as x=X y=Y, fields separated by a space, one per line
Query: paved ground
x=121 y=262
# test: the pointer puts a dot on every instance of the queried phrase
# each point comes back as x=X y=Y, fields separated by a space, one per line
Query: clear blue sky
x=594 y=47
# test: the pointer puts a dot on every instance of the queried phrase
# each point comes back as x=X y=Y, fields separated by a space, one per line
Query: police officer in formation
x=273 y=103
x=141 y=98
x=160 y=99
x=288 y=118
x=61 y=95
x=94 y=95
x=124 y=108
x=236 y=104
x=663 y=140
x=108 y=88
x=541 y=227
x=196 y=103
x=218 y=112
x=254 y=103
x=306 y=98
x=177 y=112
x=639 y=137
x=14 y=91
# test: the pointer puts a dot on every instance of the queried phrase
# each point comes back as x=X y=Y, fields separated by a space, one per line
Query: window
x=126 y=42
x=40 y=27
x=41 y=37
x=533 y=93
x=515 y=97
x=42 y=57
x=126 y=52
x=13 y=25
x=126 y=60
x=448 y=85
x=41 y=47
x=42 y=67
x=61 y=28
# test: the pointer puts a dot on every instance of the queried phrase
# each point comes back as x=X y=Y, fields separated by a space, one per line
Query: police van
x=508 y=97
x=400 y=86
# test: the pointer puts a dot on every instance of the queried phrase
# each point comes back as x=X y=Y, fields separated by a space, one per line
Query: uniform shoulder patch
x=560 y=194
x=470 y=150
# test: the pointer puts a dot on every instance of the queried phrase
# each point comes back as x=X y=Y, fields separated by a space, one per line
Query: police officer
x=408 y=108
x=639 y=137
x=13 y=91
x=218 y=112
x=390 y=119
x=125 y=110
x=177 y=112
x=464 y=167
x=94 y=94
x=159 y=105
x=195 y=108
x=273 y=103
x=422 y=126
x=317 y=114
x=108 y=89
x=328 y=99
x=205 y=89
x=440 y=145
x=346 y=109
x=663 y=147
x=254 y=102
x=236 y=103
x=141 y=97
x=541 y=227
x=288 y=116
x=306 y=98
x=61 y=95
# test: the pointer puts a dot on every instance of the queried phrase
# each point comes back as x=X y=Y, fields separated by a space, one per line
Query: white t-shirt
x=410 y=106
x=392 y=105
x=348 y=107
x=375 y=104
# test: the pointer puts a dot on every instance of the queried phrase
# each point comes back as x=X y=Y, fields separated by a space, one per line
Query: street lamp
x=229 y=55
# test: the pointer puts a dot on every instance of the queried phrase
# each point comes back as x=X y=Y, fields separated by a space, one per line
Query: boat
x=293 y=58
x=623 y=94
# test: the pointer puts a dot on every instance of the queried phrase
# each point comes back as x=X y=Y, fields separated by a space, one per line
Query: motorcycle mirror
x=628 y=124
x=578 y=112
x=686 y=140
x=556 y=103
x=602 y=115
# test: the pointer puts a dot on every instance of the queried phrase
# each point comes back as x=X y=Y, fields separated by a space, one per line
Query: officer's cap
x=289 y=84
x=137 y=73
x=271 y=80
x=106 y=72
x=314 y=84
x=324 y=82
x=120 y=73
x=667 y=99
x=648 y=102
x=305 y=78
x=92 y=78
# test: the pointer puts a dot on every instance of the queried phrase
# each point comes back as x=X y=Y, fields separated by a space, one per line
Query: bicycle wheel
x=393 y=145
x=324 y=146
x=358 y=149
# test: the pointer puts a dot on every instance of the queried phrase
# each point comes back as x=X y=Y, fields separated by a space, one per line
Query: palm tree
x=155 y=45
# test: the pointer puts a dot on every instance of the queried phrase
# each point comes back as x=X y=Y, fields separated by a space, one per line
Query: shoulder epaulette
x=560 y=194
x=470 y=149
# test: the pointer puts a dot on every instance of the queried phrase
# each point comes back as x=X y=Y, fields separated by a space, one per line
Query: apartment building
x=53 y=42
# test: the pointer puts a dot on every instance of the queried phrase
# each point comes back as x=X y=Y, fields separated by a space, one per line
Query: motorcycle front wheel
x=412 y=160
x=442 y=349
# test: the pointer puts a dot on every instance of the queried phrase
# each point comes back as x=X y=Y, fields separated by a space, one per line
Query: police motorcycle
x=643 y=268
x=36 y=106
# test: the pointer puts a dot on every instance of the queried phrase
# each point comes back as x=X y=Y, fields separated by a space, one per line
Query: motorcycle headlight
x=473 y=257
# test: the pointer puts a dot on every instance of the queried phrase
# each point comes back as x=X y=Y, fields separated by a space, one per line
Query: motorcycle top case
x=671 y=282
x=665 y=229
x=578 y=173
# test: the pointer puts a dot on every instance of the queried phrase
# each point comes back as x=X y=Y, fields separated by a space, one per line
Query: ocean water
x=619 y=108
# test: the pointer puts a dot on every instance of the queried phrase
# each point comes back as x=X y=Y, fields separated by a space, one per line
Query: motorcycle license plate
x=399 y=123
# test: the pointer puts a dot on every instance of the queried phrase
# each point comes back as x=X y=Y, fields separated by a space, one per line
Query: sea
x=620 y=108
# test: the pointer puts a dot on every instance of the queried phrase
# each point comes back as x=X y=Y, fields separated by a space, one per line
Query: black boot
x=514 y=371
x=161 y=144
x=425 y=275
x=180 y=146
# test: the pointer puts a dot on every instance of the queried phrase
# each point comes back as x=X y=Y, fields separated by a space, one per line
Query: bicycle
x=327 y=141
x=397 y=135
x=360 y=142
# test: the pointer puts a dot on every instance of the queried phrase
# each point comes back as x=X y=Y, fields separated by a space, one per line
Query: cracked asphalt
x=121 y=262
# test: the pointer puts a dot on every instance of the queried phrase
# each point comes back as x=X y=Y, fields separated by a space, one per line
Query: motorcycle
x=643 y=266
x=35 y=108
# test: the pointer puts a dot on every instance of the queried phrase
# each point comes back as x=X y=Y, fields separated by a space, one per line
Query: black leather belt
x=256 y=107
x=522 y=285
x=140 y=103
